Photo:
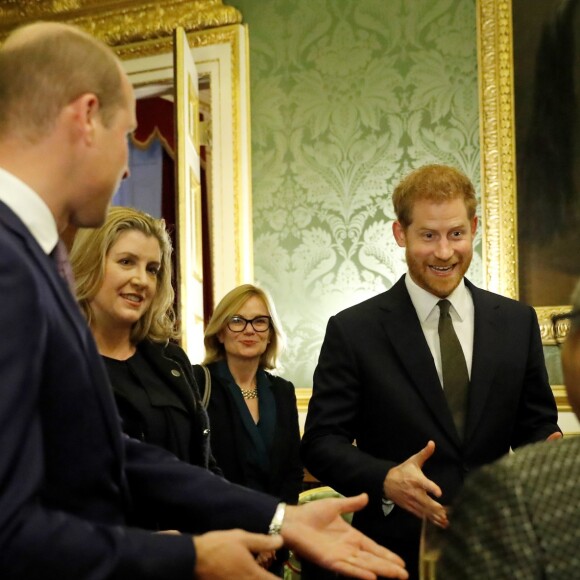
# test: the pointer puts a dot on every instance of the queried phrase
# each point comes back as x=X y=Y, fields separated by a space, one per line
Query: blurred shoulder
x=535 y=467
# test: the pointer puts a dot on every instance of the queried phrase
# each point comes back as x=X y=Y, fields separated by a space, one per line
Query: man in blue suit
x=380 y=376
x=68 y=478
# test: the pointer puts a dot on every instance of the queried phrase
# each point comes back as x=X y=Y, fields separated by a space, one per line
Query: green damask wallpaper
x=346 y=97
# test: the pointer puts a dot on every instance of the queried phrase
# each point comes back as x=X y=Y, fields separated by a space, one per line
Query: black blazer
x=376 y=383
x=141 y=419
x=68 y=475
x=228 y=436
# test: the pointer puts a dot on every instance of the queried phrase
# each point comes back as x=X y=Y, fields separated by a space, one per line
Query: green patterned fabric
x=347 y=96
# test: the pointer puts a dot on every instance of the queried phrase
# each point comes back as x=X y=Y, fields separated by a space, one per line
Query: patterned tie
x=455 y=375
x=60 y=257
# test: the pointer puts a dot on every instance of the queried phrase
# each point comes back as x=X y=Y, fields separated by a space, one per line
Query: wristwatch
x=278 y=519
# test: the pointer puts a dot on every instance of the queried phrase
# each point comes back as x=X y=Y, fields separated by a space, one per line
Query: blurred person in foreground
x=431 y=378
x=518 y=518
x=253 y=413
x=69 y=476
x=123 y=279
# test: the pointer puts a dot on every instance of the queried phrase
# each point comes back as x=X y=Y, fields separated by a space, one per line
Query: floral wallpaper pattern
x=347 y=96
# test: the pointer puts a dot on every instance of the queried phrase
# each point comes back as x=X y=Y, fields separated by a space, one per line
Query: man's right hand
x=230 y=554
x=408 y=488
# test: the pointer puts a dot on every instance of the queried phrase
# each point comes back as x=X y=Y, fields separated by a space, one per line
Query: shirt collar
x=30 y=208
x=425 y=302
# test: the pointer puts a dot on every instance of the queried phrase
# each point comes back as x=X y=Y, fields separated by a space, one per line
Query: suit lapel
x=403 y=329
x=45 y=265
x=486 y=346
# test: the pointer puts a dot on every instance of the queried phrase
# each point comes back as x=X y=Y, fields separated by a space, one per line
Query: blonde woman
x=253 y=413
x=123 y=276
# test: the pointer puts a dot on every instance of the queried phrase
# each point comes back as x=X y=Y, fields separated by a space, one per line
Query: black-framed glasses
x=561 y=325
x=259 y=323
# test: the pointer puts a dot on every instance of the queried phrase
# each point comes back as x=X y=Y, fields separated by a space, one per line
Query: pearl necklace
x=249 y=393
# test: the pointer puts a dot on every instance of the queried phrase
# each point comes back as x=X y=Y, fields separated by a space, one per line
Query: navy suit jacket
x=68 y=476
x=376 y=384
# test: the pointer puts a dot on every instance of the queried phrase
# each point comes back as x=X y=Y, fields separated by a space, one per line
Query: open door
x=189 y=233
x=221 y=58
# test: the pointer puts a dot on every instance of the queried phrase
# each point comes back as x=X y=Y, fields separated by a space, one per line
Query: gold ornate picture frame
x=498 y=160
x=498 y=169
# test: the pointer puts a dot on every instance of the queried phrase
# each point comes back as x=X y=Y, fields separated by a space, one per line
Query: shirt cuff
x=387 y=506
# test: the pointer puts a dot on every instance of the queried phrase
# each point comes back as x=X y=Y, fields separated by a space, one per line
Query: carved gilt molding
x=303 y=398
x=119 y=22
x=498 y=146
x=545 y=319
x=561 y=399
x=163 y=45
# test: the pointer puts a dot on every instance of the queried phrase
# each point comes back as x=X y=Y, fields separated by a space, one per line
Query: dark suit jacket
x=228 y=436
x=149 y=418
x=376 y=383
x=67 y=474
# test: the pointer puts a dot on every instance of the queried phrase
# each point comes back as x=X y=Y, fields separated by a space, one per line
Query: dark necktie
x=60 y=257
x=455 y=375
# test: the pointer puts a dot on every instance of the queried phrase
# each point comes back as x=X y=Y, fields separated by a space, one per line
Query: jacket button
x=175 y=373
x=206 y=432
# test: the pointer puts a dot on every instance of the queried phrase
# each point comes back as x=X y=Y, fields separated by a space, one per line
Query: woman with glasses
x=253 y=413
x=123 y=279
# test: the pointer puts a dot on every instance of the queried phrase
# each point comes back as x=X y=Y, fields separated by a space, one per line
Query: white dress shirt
x=462 y=314
x=30 y=208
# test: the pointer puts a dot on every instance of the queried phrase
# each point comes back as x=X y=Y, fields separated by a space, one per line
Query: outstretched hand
x=316 y=531
x=230 y=554
x=407 y=487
